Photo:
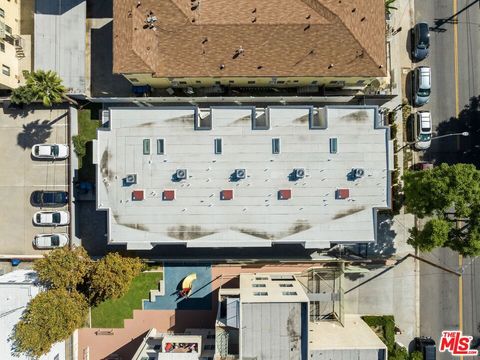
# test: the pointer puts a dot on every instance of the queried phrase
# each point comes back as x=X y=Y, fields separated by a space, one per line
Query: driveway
x=21 y=175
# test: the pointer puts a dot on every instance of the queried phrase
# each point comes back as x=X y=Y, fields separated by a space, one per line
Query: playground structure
x=187 y=284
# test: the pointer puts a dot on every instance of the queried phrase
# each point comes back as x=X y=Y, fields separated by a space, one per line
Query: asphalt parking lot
x=21 y=174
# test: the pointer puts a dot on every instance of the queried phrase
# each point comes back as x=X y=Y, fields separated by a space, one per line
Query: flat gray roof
x=198 y=217
x=60 y=38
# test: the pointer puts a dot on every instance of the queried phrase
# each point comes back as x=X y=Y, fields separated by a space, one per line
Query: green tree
x=389 y=6
x=22 y=95
x=434 y=234
x=111 y=277
x=50 y=317
x=45 y=86
x=446 y=190
x=63 y=268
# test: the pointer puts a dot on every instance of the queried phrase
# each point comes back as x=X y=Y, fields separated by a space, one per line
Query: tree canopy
x=45 y=86
x=63 y=268
x=111 y=277
x=50 y=317
x=447 y=194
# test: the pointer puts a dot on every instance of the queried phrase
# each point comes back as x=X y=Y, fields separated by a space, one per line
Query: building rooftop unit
x=242 y=176
x=218 y=38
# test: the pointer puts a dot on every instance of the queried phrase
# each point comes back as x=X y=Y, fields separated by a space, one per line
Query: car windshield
x=58 y=197
x=37 y=149
x=39 y=218
x=424 y=137
x=424 y=92
x=54 y=150
x=56 y=218
x=55 y=240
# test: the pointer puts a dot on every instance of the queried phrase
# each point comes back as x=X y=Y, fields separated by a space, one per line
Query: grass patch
x=384 y=327
x=87 y=131
x=111 y=313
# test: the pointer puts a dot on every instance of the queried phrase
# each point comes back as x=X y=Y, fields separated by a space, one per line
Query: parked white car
x=51 y=218
x=50 y=151
x=50 y=241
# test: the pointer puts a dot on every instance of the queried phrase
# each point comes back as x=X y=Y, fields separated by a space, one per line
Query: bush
x=79 y=145
x=393 y=131
x=416 y=355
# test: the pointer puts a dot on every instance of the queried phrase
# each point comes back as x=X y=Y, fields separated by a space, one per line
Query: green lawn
x=87 y=131
x=111 y=313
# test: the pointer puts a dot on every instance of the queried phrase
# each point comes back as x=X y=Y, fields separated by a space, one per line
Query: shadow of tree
x=33 y=133
x=384 y=247
x=455 y=149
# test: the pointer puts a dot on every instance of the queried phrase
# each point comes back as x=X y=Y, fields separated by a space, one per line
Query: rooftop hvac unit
x=299 y=173
x=131 y=179
x=358 y=173
x=181 y=174
x=240 y=173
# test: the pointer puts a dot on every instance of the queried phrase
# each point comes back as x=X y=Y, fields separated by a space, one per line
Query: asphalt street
x=455 y=63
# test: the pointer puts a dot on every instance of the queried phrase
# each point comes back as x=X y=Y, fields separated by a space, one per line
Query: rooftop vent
x=240 y=173
x=181 y=174
x=299 y=173
x=358 y=172
x=131 y=179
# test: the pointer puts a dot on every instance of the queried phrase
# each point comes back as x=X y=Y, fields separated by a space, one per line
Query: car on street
x=422 y=130
x=49 y=198
x=426 y=345
x=422 y=84
x=51 y=218
x=50 y=241
x=50 y=151
x=420 y=41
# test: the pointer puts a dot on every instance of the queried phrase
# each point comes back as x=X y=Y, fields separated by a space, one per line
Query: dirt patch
x=299 y=226
x=302 y=119
x=141 y=227
x=243 y=120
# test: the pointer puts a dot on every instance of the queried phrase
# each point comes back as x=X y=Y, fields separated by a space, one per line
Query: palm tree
x=389 y=6
x=22 y=95
x=46 y=86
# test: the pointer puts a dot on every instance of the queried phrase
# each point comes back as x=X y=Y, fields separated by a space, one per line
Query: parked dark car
x=420 y=41
x=426 y=345
x=49 y=198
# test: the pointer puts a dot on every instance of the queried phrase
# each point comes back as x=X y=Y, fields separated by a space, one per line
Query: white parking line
x=45 y=185
x=51 y=164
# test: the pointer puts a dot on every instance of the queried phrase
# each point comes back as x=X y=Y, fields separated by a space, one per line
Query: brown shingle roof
x=278 y=38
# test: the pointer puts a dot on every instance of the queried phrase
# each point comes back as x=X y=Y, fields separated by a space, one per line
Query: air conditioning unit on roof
x=358 y=172
x=181 y=174
x=240 y=173
x=299 y=173
x=131 y=179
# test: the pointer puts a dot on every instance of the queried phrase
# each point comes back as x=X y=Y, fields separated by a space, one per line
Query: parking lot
x=21 y=174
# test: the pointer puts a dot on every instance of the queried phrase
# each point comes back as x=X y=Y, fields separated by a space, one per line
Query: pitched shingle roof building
x=250 y=38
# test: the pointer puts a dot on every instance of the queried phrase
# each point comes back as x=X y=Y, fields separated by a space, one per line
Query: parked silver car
x=422 y=84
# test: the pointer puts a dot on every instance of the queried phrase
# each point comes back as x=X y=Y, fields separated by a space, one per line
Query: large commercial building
x=242 y=176
x=254 y=43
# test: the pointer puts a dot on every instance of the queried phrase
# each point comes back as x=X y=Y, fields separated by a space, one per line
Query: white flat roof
x=331 y=335
x=255 y=216
x=17 y=288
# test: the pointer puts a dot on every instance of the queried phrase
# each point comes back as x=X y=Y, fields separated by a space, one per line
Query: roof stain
x=188 y=232
x=348 y=212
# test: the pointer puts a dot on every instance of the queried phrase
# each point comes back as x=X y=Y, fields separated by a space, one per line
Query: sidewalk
x=395 y=289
